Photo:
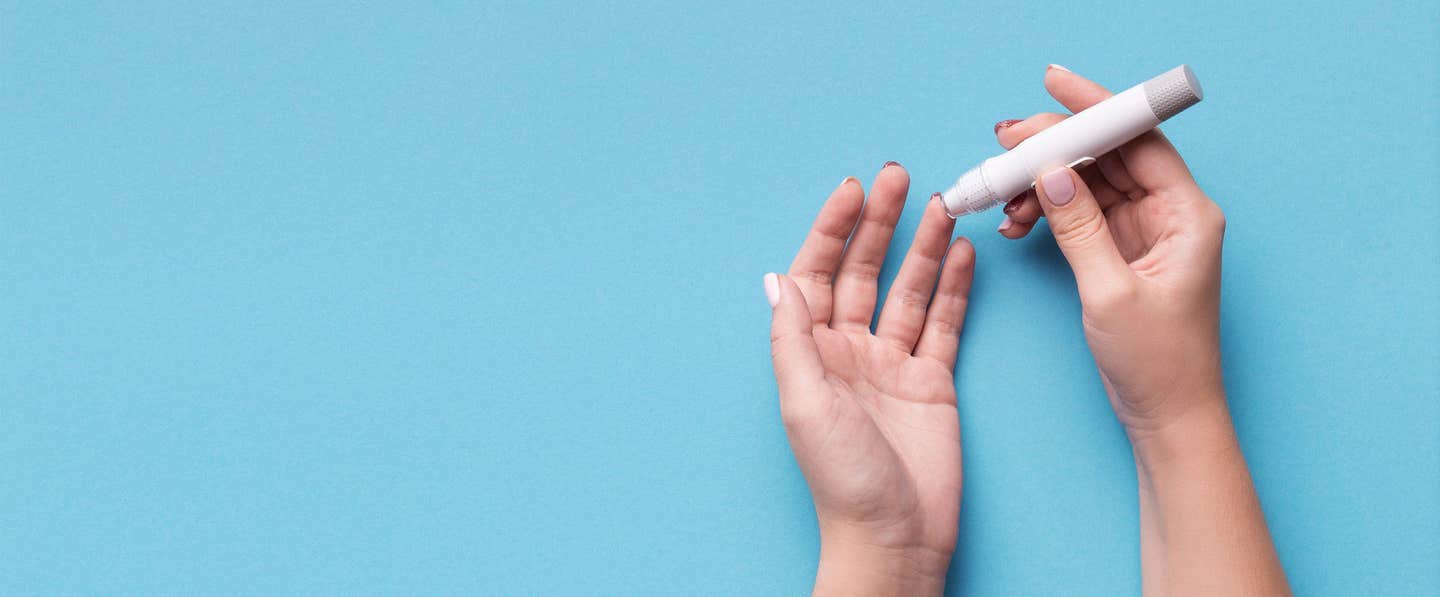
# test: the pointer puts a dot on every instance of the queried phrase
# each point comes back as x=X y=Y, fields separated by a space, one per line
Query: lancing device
x=1074 y=142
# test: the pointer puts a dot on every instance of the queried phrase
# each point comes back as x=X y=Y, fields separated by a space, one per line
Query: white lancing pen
x=1074 y=142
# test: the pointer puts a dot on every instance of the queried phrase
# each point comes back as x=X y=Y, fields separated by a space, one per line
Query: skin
x=871 y=417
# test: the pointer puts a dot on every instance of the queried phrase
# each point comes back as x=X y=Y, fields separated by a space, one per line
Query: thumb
x=798 y=370
x=1081 y=231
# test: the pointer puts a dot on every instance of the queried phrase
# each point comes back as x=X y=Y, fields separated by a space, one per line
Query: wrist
x=849 y=567
x=1201 y=433
x=1202 y=527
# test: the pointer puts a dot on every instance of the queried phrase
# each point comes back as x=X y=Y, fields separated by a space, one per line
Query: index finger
x=1150 y=158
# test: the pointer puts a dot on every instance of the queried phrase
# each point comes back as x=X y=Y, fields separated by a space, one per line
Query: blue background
x=305 y=298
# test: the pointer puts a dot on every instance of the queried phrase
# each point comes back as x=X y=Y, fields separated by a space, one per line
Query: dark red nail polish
x=934 y=196
x=889 y=164
x=1005 y=124
x=1014 y=204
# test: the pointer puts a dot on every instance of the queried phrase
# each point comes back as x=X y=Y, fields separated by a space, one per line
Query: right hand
x=1144 y=243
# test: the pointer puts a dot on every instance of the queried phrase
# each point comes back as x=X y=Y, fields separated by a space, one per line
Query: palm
x=871 y=416
x=1136 y=224
x=897 y=433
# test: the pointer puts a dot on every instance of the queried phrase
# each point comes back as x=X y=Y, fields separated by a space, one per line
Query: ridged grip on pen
x=970 y=194
x=1172 y=92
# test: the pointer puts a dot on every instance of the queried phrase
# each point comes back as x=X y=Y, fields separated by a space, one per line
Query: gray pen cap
x=1173 y=91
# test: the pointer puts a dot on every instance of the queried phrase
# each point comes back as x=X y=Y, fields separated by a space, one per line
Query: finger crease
x=861 y=269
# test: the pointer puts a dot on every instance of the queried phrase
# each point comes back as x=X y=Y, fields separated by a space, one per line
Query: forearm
x=1202 y=528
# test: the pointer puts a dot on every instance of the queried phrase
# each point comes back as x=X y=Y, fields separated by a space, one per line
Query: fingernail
x=1058 y=187
x=889 y=164
x=934 y=196
x=1058 y=67
x=1005 y=224
x=1014 y=204
x=849 y=179
x=1005 y=124
x=772 y=289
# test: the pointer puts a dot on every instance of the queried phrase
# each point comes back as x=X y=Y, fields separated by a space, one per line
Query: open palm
x=871 y=416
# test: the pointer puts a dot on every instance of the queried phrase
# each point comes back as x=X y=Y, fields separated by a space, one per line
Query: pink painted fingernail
x=772 y=289
x=1005 y=224
x=889 y=164
x=1059 y=188
x=1005 y=124
x=1058 y=67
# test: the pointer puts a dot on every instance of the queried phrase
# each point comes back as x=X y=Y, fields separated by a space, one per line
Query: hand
x=871 y=417
x=1144 y=243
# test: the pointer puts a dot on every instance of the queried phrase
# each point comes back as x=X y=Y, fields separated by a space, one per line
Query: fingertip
x=1054 y=74
x=1024 y=209
x=1007 y=229
x=848 y=197
x=963 y=250
x=935 y=223
x=849 y=194
x=1059 y=186
x=1021 y=230
x=1005 y=124
x=772 y=289
x=959 y=267
x=936 y=205
x=1016 y=230
x=1072 y=90
x=1013 y=205
x=892 y=177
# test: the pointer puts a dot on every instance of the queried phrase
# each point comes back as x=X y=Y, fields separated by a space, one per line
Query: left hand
x=871 y=416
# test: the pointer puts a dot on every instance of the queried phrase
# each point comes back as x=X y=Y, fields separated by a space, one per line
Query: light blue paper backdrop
x=306 y=298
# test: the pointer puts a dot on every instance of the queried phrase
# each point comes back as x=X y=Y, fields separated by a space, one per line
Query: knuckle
x=912 y=300
x=782 y=342
x=819 y=278
x=1079 y=228
x=840 y=235
x=944 y=325
x=863 y=268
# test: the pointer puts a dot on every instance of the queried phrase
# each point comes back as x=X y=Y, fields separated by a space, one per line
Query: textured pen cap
x=1173 y=91
x=970 y=194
